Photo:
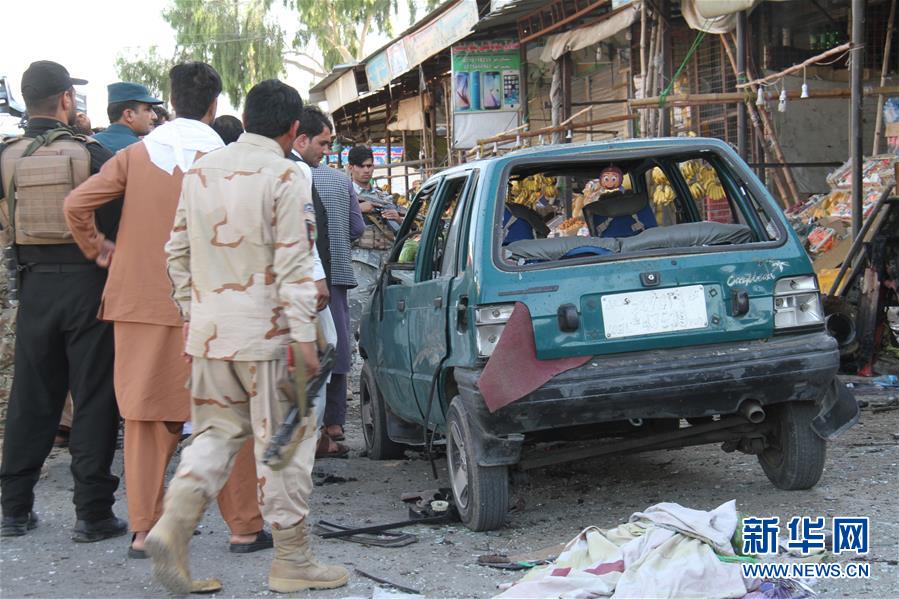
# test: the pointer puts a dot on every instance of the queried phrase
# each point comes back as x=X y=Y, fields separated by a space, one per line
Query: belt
x=58 y=268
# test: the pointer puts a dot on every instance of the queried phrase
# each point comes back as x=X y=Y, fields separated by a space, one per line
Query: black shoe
x=91 y=532
x=262 y=541
x=17 y=526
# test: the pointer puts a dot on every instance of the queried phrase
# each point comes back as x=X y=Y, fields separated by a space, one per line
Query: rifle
x=273 y=456
x=382 y=201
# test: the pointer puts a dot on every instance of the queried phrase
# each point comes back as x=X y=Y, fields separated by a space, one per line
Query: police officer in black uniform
x=60 y=346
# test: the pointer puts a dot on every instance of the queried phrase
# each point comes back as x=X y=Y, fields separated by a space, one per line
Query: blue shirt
x=117 y=136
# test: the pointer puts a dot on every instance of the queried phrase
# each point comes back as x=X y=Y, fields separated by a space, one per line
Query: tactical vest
x=38 y=173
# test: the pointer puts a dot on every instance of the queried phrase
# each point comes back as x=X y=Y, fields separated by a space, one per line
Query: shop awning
x=570 y=41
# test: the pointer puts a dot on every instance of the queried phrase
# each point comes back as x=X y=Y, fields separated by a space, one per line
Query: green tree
x=246 y=44
x=237 y=37
x=151 y=71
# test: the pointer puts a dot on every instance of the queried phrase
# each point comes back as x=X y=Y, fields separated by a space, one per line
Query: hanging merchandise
x=782 y=101
x=760 y=98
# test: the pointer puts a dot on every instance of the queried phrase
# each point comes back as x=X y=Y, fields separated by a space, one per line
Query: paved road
x=861 y=478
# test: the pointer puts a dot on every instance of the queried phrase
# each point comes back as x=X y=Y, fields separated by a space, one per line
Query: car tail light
x=797 y=303
x=489 y=324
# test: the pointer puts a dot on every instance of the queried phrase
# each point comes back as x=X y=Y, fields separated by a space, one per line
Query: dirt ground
x=861 y=479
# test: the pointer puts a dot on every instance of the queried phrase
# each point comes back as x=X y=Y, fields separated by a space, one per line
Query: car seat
x=620 y=215
x=521 y=222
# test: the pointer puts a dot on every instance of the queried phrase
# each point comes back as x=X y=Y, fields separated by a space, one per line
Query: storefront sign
x=379 y=152
x=486 y=76
x=409 y=52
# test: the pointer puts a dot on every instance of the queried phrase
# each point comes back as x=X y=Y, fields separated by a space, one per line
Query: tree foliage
x=340 y=27
x=151 y=71
x=237 y=37
x=246 y=44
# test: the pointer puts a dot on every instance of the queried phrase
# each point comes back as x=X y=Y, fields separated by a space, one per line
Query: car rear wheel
x=794 y=458
x=374 y=420
x=481 y=493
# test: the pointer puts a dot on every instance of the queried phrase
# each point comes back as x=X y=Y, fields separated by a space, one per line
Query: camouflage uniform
x=368 y=254
x=241 y=264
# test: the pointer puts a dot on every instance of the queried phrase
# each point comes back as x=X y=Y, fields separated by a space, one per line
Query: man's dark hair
x=272 y=107
x=359 y=154
x=115 y=111
x=43 y=105
x=313 y=122
x=161 y=113
x=195 y=85
x=228 y=127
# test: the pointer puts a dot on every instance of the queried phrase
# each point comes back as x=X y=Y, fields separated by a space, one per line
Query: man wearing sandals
x=240 y=258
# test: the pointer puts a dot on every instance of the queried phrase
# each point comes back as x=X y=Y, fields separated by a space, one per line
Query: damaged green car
x=618 y=297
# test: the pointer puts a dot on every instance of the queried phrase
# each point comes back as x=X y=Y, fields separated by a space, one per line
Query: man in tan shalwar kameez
x=150 y=371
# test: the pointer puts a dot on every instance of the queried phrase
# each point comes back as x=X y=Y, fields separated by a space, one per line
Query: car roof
x=587 y=147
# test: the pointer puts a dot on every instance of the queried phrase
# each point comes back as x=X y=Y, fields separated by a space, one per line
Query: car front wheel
x=481 y=493
x=794 y=457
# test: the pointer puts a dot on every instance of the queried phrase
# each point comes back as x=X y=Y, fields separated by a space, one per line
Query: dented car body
x=673 y=306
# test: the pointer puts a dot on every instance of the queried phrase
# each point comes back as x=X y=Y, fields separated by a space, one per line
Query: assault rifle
x=300 y=407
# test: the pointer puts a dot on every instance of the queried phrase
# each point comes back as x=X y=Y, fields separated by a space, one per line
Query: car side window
x=446 y=205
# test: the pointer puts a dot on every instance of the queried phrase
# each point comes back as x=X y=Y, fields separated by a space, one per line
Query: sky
x=86 y=37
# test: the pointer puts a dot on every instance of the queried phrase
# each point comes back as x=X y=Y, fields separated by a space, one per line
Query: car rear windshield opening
x=554 y=212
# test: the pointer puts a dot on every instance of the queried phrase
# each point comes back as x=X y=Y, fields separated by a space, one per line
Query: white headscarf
x=177 y=142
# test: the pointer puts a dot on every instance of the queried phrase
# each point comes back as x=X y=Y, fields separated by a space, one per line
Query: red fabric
x=561 y=572
x=513 y=370
x=607 y=567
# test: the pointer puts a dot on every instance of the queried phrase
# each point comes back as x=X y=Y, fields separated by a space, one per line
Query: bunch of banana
x=530 y=190
x=708 y=177
x=663 y=195
x=688 y=169
x=659 y=177
x=697 y=190
x=716 y=191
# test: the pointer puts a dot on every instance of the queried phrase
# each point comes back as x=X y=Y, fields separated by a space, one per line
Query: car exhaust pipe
x=752 y=411
x=841 y=328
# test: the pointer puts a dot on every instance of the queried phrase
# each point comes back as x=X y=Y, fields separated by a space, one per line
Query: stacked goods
x=823 y=221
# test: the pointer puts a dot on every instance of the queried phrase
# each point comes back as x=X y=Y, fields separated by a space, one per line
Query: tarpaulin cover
x=514 y=370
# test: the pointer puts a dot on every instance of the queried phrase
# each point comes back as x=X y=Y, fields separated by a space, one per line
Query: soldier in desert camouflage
x=241 y=264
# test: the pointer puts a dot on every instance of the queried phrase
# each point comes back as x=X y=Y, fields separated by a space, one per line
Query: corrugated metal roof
x=509 y=13
x=317 y=91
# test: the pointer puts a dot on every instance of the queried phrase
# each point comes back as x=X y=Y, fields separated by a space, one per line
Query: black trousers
x=61 y=347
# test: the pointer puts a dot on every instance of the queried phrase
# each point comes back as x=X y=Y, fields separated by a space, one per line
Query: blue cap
x=124 y=92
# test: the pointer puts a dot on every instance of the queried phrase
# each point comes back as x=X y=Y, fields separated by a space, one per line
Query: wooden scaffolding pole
x=756 y=122
x=796 y=67
x=770 y=133
x=884 y=69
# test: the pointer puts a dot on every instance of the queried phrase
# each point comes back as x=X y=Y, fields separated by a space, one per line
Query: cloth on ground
x=665 y=551
x=514 y=370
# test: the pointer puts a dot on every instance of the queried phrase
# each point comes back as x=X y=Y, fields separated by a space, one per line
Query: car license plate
x=655 y=311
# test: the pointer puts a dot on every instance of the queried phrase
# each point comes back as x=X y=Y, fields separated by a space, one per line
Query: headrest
x=530 y=216
x=615 y=205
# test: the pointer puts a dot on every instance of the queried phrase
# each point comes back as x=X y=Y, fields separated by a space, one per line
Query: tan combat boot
x=185 y=502
x=294 y=567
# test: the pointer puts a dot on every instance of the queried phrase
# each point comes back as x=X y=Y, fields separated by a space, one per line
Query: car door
x=389 y=315
x=435 y=269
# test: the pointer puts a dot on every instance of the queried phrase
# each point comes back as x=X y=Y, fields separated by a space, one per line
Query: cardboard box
x=892 y=129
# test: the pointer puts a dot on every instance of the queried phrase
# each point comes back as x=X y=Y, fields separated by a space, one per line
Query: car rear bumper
x=673 y=383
